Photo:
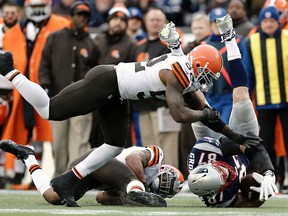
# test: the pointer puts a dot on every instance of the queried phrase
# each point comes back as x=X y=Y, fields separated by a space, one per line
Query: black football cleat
x=63 y=185
x=22 y=152
x=147 y=199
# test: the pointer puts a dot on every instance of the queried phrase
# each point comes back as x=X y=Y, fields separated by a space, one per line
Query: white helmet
x=168 y=183
x=38 y=10
x=211 y=178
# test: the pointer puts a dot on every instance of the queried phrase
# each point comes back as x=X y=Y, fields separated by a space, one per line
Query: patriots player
x=117 y=177
x=218 y=165
x=107 y=89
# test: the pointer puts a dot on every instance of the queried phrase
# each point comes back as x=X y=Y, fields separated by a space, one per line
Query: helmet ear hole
x=197 y=65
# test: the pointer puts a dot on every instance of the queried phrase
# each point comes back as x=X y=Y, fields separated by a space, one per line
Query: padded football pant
x=97 y=91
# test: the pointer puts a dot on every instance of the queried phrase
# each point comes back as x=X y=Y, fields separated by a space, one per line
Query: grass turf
x=31 y=203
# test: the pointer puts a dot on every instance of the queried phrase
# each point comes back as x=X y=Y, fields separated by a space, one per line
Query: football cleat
x=169 y=35
x=22 y=152
x=63 y=185
x=147 y=199
x=225 y=26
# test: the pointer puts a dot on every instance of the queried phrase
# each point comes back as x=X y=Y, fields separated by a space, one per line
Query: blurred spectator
x=150 y=132
x=220 y=95
x=237 y=10
x=115 y=46
x=77 y=56
x=99 y=12
x=135 y=28
x=282 y=7
x=62 y=8
x=11 y=16
x=26 y=43
x=200 y=27
x=172 y=9
x=269 y=78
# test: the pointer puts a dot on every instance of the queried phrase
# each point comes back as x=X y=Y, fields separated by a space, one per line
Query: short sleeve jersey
x=140 y=80
x=154 y=164
x=207 y=150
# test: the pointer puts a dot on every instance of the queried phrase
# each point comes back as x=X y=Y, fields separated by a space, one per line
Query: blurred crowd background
x=56 y=42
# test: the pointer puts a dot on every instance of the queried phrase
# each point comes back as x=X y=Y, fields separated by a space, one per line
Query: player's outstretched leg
x=147 y=199
x=22 y=152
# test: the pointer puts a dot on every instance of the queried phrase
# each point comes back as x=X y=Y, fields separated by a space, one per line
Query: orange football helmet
x=207 y=63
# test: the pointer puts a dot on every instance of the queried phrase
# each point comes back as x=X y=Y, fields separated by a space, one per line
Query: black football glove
x=210 y=115
x=6 y=63
x=249 y=139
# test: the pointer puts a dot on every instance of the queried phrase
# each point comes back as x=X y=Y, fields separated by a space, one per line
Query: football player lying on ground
x=107 y=88
x=117 y=177
x=217 y=166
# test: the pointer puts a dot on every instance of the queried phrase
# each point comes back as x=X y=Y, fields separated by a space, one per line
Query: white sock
x=233 y=51
x=40 y=179
x=135 y=185
x=33 y=93
x=96 y=159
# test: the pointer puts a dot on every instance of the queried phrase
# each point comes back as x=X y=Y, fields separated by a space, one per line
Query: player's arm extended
x=177 y=107
x=137 y=161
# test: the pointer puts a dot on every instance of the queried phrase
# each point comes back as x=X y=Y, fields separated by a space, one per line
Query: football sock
x=96 y=159
x=237 y=71
x=135 y=185
x=33 y=93
x=40 y=179
x=233 y=51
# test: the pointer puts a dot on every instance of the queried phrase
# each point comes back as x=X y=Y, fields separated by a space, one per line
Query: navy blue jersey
x=207 y=150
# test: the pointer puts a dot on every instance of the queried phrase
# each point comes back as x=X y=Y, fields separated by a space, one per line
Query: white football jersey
x=154 y=164
x=140 y=80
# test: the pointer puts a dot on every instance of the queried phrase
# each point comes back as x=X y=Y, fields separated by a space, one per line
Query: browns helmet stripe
x=180 y=74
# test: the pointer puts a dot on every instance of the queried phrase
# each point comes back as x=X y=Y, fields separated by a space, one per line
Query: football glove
x=6 y=63
x=169 y=35
x=211 y=115
x=247 y=140
x=267 y=185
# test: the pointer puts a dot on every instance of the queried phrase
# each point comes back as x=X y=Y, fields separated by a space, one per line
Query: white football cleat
x=169 y=34
x=225 y=26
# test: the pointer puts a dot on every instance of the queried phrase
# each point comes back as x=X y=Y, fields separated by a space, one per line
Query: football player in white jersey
x=116 y=177
x=107 y=89
x=217 y=166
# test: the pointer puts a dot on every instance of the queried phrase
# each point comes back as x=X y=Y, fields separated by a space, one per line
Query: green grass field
x=31 y=203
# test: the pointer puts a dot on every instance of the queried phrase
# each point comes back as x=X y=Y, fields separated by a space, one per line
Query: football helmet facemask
x=207 y=64
x=211 y=178
x=38 y=10
x=168 y=183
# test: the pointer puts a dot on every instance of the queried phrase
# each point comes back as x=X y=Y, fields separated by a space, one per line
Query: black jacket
x=67 y=56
